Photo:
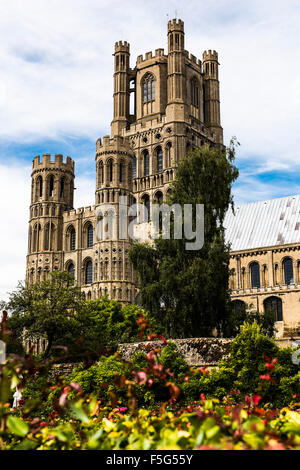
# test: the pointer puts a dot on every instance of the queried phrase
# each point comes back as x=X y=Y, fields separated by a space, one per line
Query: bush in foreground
x=104 y=408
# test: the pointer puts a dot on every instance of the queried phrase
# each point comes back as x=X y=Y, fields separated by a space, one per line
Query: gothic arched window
x=146 y=163
x=37 y=238
x=51 y=186
x=134 y=167
x=71 y=269
x=195 y=92
x=62 y=188
x=159 y=157
x=90 y=236
x=39 y=183
x=146 y=203
x=158 y=197
x=148 y=86
x=101 y=173
x=110 y=171
x=168 y=154
x=238 y=306
x=255 y=277
x=49 y=237
x=288 y=271
x=89 y=272
x=72 y=239
x=121 y=171
x=30 y=240
x=274 y=304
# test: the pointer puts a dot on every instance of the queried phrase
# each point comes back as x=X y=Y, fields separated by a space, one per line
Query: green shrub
x=139 y=360
x=171 y=359
x=99 y=378
x=242 y=371
x=109 y=323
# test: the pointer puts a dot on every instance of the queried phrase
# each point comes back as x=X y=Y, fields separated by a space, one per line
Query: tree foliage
x=188 y=290
x=56 y=310
x=47 y=310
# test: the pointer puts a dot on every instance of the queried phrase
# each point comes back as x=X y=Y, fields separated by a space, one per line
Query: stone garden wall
x=197 y=352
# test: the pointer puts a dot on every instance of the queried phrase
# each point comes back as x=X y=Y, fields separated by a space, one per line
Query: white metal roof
x=264 y=223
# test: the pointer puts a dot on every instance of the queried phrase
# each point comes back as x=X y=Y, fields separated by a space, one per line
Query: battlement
x=58 y=162
x=193 y=59
x=210 y=55
x=122 y=46
x=84 y=212
x=149 y=55
x=108 y=144
x=176 y=25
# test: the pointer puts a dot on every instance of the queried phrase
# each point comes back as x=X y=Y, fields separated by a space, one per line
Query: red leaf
x=163 y=339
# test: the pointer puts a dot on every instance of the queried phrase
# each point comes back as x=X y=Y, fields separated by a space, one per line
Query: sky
x=56 y=92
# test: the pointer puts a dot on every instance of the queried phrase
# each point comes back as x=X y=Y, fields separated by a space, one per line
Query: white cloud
x=56 y=80
x=251 y=189
x=56 y=65
x=85 y=191
x=14 y=209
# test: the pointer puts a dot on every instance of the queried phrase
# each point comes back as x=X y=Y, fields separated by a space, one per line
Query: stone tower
x=121 y=88
x=212 y=94
x=52 y=191
x=177 y=108
x=164 y=105
x=115 y=275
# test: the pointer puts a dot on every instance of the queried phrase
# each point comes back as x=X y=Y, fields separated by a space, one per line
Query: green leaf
x=17 y=426
x=27 y=444
x=200 y=438
x=212 y=432
x=79 y=413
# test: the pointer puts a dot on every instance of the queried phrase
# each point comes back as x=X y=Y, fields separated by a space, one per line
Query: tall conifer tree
x=185 y=290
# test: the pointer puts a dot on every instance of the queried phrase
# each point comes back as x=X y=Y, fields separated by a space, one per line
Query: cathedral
x=163 y=107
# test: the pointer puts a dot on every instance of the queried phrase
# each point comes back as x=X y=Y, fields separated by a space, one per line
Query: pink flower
x=122 y=409
x=76 y=387
x=256 y=399
x=141 y=377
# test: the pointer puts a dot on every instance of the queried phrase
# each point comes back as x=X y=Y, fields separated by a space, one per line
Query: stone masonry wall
x=198 y=352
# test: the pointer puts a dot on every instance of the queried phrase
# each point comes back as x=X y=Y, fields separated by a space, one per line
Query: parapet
x=210 y=55
x=57 y=163
x=176 y=25
x=149 y=55
x=115 y=144
x=82 y=212
x=121 y=46
x=193 y=59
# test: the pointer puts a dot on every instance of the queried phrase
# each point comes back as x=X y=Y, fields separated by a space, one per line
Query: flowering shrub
x=206 y=424
x=103 y=409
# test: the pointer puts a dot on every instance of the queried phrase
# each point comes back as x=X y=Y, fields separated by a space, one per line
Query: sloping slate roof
x=264 y=223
